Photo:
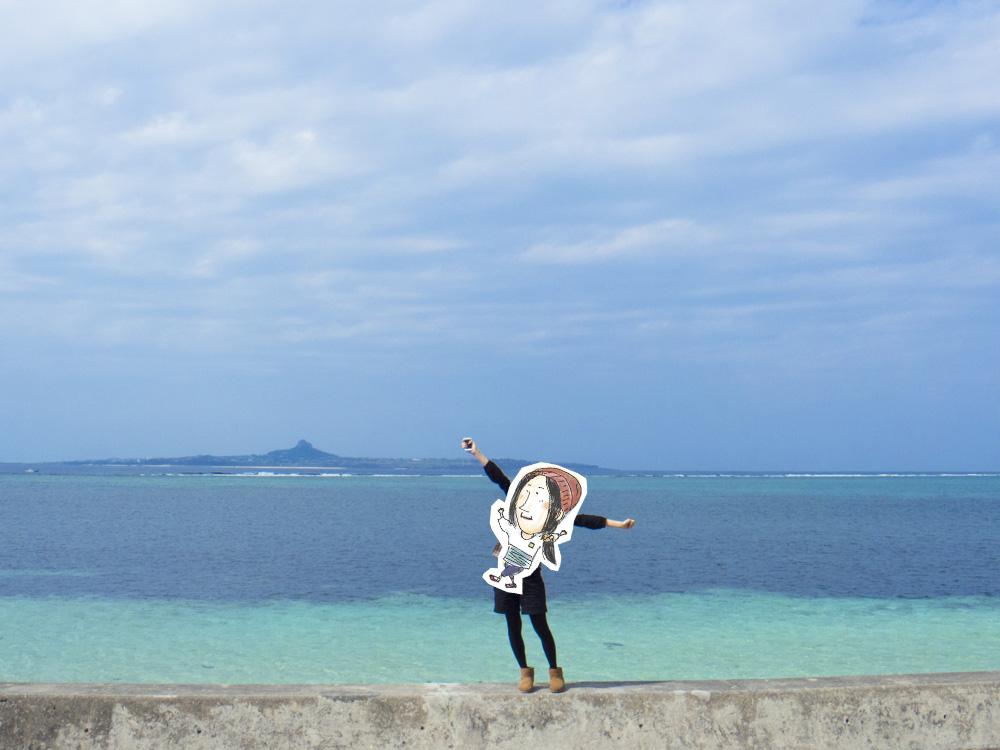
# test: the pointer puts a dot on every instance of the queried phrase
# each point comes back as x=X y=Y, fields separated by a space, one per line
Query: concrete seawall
x=953 y=711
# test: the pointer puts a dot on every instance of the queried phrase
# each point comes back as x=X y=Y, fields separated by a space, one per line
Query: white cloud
x=973 y=172
x=715 y=179
x=165 y=130
x=42 y=28
x=287 y=160
x=226 y=256
x=661 y=238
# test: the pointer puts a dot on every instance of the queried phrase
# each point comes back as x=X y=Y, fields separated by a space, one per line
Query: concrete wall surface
x=953 y=711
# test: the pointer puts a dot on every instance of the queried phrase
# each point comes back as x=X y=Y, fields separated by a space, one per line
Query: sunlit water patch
x=415 y=638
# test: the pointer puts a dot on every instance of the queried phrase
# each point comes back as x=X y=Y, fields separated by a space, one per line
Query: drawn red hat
x=569 y=487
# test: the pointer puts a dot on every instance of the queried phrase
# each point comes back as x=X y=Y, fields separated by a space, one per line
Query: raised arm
x=492 y=470
x=469 y=446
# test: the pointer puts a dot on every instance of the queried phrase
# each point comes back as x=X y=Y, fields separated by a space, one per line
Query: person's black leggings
x=541 y=626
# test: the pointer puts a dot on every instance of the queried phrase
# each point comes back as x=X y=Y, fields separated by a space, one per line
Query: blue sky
x=665 y=235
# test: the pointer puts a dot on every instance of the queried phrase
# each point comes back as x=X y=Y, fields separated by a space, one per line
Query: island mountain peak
x=303 y=451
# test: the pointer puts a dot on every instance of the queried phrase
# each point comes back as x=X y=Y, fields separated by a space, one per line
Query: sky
x=691 y=235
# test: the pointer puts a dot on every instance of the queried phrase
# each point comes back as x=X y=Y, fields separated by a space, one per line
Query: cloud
x=972 y=172
x=663 y=181
x=288 y=160
x=45 y=28
x=668 y=237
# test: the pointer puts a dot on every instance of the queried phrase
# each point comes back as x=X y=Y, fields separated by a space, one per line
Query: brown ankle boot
x=556 y=682
x=527 y=679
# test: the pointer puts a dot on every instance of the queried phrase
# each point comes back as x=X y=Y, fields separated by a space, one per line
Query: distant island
x=305 y=456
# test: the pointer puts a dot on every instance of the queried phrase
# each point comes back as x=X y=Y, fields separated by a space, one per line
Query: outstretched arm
x=493 y=472
x=628 y=523
x=599 y=522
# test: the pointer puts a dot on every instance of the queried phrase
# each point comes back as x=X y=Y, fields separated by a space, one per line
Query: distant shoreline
x=305 y=457
x=430 y=468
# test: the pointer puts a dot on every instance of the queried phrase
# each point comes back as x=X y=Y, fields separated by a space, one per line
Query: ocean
x=278 y=578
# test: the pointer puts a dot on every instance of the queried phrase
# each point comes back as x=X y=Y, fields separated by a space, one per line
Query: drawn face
x=532 y=507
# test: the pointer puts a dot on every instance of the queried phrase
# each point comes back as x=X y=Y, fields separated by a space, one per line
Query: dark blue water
x=330 y=539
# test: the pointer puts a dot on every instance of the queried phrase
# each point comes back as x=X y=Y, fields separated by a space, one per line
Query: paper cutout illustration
x=532 y=521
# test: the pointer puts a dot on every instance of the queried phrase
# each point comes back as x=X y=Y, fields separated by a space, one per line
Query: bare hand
x=626 y=524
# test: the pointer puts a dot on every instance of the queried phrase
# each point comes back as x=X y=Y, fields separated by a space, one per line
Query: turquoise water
x=355 y=580
x=415 y=638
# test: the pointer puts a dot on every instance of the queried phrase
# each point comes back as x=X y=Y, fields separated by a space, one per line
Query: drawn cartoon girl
x=538 y=516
